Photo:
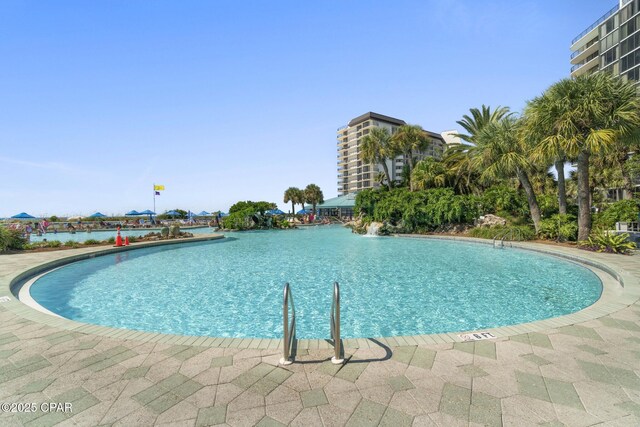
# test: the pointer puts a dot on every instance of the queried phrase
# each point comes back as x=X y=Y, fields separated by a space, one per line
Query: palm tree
x=408 y=140
x=295 y=196
x=585 y=116
x=500 y=152
x=534 y=131
x=376 y=147
x=429 y=173
x=313 y=194
x=480 y=118
x=465 y=178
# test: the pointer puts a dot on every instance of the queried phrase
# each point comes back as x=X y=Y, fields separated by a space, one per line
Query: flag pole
x=154 y=197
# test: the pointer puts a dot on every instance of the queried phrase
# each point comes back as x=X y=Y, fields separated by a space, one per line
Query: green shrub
x=54 y=244
x=11 y=239
x=71 y=244
x=502 y=198
x=92 y=242
x=414 y=210
x=621 y=211
x=509 y=232
x=133 y=239
x=605 y=241
x=559 y=227
x=111 y=240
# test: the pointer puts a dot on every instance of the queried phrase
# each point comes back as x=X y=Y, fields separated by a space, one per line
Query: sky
x=222 y=101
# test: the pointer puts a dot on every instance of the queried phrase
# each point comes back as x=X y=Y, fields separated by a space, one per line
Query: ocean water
x=389 y=286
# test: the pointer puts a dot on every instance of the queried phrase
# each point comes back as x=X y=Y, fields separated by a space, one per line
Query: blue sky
x=227 y=101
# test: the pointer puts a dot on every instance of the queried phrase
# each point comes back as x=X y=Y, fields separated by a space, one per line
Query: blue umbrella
x=97 y=215
x=203 y=213
x=172 y=213
x=305 y=211
x=274 y=212
x=133 y=213
x=23 y=215
x=223 y=214
x=147 y=212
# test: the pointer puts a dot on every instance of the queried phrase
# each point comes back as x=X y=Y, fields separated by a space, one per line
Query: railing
x=585 y=62
x=289 y=328
x=585 y=47
x=337 y=359
x=509 y=235
x=595 y=24
x=633 y=227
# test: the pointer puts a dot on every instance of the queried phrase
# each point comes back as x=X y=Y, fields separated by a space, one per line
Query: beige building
x=353 y=173
x=610 y=44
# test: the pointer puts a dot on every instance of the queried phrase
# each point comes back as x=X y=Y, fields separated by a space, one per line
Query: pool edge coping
x=605 y=305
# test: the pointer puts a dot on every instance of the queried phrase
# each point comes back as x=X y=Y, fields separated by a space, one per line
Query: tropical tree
x=376 y=147
x=480 y=118
x=534 y=133
x=430 y=173
x=295 y=196
x=465 y=178
x=313 y=194
x=409 y=140
x=500 y=152
x=585 y=116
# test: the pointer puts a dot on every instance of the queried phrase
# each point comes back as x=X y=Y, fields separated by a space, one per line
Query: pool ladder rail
x=337 y=359
x=509 y=236
x=290 y=327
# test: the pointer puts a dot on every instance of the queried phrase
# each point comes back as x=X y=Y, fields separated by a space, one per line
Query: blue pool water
x=389 y=286
x=82 y=236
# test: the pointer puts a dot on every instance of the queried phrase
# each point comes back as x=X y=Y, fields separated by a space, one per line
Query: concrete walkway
x=585 y=373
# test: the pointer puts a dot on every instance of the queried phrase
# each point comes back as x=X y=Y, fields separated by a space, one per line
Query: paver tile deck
x=583 y=372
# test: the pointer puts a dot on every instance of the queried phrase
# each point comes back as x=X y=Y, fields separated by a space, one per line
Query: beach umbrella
x=223 y=214
x=172 y=213
x=305 y=211
x=97 y=215
x=274 y=212
x=204 y=213
x=147 y=212
x=23 y=215
x=132 y=213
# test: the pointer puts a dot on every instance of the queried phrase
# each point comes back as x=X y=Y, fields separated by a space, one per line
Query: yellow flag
x=158 y=187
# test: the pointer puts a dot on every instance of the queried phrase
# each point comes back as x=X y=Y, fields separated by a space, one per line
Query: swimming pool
x=389 y=286
x=82 y=236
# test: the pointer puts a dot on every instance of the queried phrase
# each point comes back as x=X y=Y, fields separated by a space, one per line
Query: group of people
x=39 y=228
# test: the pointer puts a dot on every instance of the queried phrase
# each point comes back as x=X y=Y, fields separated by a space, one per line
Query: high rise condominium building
x=354 y=174
x=611 y=44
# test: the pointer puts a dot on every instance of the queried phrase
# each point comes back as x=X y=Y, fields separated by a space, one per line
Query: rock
x=489 y=220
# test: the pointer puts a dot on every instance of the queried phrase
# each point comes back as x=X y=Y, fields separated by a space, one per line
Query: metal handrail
x=600 y=20
x=289 y=328
x=503 y=236
x=335 y=325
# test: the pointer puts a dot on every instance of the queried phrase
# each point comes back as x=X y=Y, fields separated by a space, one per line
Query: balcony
x=594 y=26
x=581 y=55
x=585 y=67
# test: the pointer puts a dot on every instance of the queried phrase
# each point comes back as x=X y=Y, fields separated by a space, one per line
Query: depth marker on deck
x=477 y=336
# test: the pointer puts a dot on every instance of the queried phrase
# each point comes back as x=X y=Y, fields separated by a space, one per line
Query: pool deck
x=582 y=369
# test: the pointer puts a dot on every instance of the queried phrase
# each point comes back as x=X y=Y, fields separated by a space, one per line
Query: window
x=609 y=56
x=630 y=60
x=609 y=25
